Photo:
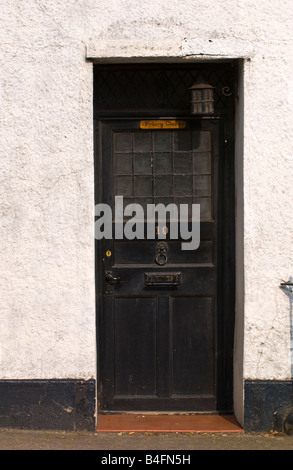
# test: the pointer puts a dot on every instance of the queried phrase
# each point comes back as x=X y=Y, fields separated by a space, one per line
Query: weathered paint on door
x=160 y=344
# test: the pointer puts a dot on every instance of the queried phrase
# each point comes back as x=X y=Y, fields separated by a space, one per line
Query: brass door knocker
x=161 y=250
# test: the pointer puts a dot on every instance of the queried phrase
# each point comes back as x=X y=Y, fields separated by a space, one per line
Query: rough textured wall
x=268 y=140
x=47 y=250
x=47 y=257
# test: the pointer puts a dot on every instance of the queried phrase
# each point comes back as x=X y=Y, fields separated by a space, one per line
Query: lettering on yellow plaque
x=163 y=124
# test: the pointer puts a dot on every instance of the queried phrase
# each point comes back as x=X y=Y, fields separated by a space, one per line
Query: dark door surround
x=225 y=242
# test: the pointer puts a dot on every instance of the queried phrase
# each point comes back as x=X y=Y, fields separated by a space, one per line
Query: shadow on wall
x=287 y=288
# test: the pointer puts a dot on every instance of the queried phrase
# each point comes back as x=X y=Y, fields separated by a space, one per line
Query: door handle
x=111 y=278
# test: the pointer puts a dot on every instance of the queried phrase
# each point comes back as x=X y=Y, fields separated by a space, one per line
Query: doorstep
x=140 y=422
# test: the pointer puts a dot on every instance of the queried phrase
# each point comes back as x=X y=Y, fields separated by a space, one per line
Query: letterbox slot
x=165 y=279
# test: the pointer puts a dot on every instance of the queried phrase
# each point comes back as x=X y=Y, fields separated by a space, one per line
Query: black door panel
x=159 y=318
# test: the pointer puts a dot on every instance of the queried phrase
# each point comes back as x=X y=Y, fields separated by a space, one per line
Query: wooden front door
x=160 y=309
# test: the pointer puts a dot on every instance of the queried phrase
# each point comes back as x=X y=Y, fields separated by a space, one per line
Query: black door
x=160 y=315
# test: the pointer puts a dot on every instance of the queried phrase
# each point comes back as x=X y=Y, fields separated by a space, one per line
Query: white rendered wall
x=47 y=185
x=47 y=246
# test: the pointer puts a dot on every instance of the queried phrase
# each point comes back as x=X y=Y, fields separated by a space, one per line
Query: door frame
x=227 y=243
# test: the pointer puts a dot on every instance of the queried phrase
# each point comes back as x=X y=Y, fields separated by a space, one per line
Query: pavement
x=16 y=440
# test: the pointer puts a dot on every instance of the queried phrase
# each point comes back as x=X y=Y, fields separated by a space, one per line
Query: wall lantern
x=202 y=98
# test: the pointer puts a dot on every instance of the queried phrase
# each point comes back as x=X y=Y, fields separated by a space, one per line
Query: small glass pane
x=182 y=185
x=182 y=162
x=142 y=164
x=142 y=142
x=162 y=141
x=123 y=164
x=202 y=185
x=142 y=186
x=163 y=163
x=123 y=186
x=202 y=163
x=201 y=141
x=163 y=186
x=126 y=202
x=123 y=142
x=144 y=202
x=164 y=200
x=183 y=140
x=184 y=200
x=205 y=207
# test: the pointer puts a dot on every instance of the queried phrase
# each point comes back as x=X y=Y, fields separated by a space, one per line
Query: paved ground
x=104 y=441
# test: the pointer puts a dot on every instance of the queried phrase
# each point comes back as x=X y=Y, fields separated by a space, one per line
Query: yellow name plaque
x=162 y=124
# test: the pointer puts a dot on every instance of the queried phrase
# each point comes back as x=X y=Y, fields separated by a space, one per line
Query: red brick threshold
x=139 y=422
